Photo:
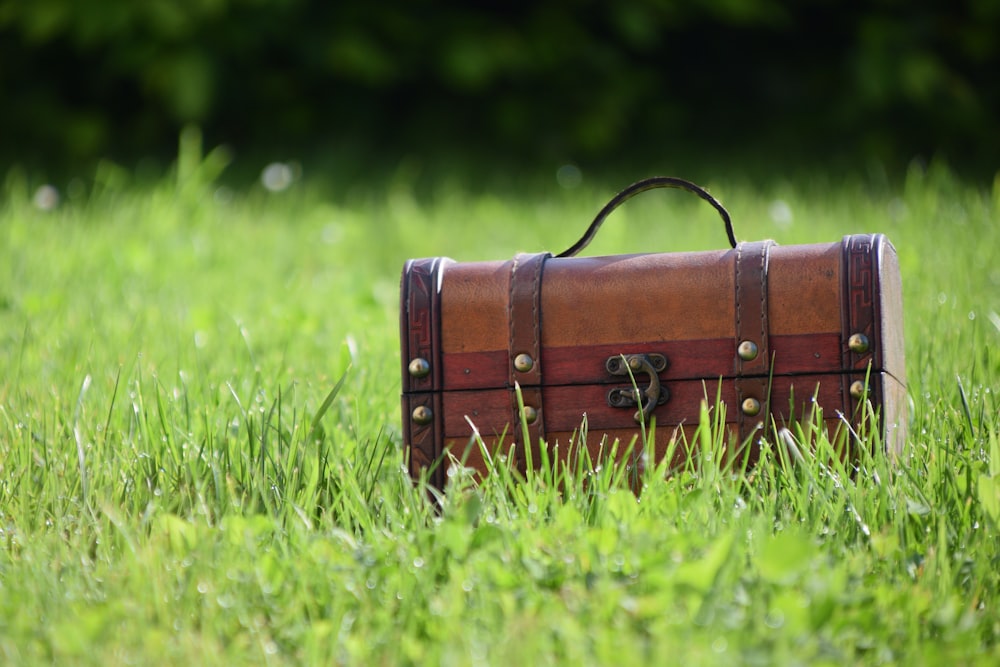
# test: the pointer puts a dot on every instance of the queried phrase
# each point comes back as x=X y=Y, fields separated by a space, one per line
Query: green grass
x=176 y=487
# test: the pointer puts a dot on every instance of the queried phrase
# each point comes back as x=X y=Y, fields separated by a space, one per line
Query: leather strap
x=861 y=258
x=420 y=338
x=752 y=372
x=524 y=362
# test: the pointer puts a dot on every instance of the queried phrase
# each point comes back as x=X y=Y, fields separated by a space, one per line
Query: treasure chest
x=540 y=345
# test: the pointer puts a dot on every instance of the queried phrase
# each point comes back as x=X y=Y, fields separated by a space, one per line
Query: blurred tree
x=553 y=78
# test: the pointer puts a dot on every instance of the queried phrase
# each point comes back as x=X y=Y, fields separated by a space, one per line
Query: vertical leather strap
x=524 y=361
x=420 y=342
x=861 y=314
x=753 y=353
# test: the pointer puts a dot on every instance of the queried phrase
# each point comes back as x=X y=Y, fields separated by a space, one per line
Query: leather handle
x=642 y=186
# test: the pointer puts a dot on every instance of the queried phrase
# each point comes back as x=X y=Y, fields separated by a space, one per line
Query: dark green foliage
x=542 y=80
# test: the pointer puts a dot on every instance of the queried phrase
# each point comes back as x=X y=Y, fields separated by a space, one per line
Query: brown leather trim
x=420 y=320
x=861 y=303
x=524 y=318
x=751 y=305
x=420 y=337
x=751 y=325
x=424 y=442
x=860 y=308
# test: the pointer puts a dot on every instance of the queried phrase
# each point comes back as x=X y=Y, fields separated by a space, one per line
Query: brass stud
x=751 y=407
x=858 y=343
x=524 y=363
x=747 y=350
x=530 y=414
x=420 y=367
x=422 y=415
x=858 y=389
x=635 y=363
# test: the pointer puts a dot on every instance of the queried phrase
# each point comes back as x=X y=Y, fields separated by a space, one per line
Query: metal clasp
x=633 y=365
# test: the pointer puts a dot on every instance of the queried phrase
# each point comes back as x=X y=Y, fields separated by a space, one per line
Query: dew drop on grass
x=719 y=645
x=418 y=562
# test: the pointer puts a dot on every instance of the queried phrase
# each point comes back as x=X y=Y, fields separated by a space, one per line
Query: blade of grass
x=314 y=426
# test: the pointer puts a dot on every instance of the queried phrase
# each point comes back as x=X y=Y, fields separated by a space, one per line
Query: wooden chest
x=772 y=330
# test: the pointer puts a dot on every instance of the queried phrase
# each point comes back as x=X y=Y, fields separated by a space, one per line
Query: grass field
x=175 y=487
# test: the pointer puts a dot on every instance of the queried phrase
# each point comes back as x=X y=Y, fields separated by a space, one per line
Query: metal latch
x=633 y=365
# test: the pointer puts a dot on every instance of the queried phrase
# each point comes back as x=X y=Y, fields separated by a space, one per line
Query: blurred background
x=354 y=86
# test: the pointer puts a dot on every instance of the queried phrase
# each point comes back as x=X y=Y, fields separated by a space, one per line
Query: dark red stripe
x=564 y=406
x=687 y=360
